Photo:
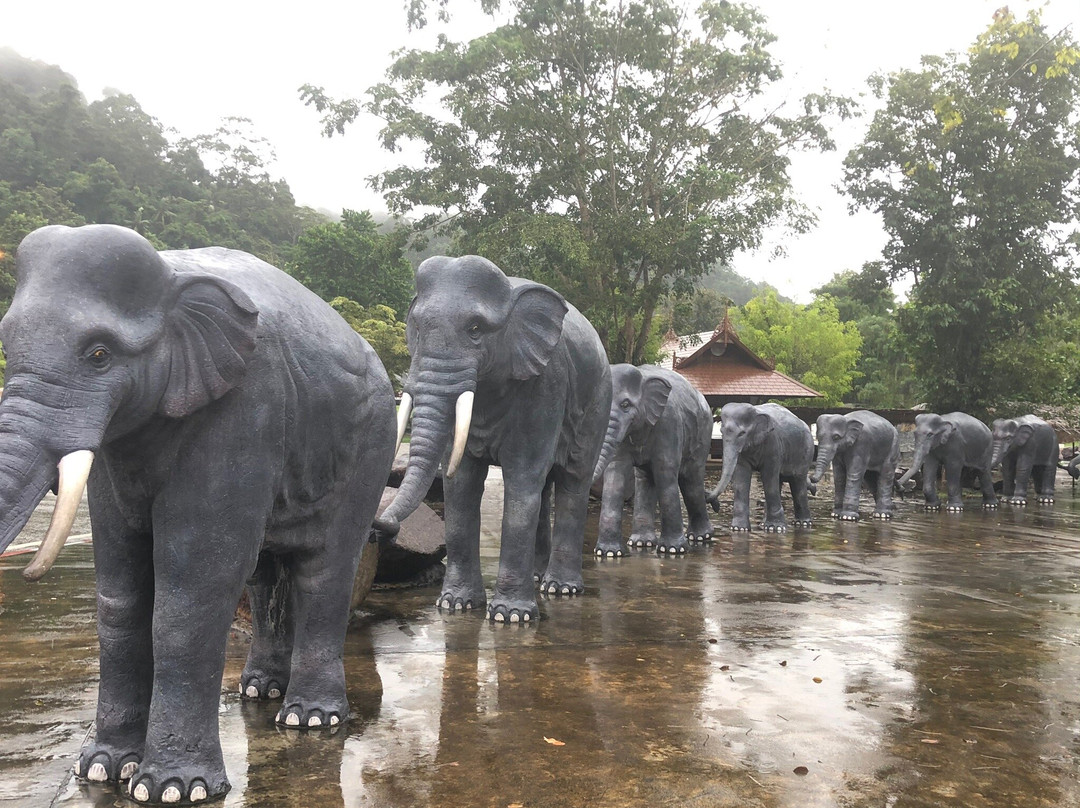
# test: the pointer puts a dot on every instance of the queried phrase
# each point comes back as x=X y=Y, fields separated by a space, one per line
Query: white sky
x=192 y=63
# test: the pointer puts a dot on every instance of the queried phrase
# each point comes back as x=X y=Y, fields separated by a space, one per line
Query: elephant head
x=834 y=433
x=931 y=432
x=636 y=404
x=469 y=325
x=1009 y=433
x=743 y=427
x=103 y=335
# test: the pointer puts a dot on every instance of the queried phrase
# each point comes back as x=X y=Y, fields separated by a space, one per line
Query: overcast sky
x=191 y=63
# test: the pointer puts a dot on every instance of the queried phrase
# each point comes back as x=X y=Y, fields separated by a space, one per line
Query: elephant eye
x=474 y=330
x=99 y=357
x=625 y=404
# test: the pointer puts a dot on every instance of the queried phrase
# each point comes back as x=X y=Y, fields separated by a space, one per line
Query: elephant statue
x=1025 y=448
x=956 y=441
x=520 y=379
x=861 y=446
x=662 y=428
x=230 y=428
x=768 y=439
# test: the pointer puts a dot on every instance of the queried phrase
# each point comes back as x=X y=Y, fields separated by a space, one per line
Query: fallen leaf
x=553 y=742
x=713 y=641
x=515 y=805
x=802 y=771
x=817 y=680
x=725 y=667
x=783 y=664
x=930 y=740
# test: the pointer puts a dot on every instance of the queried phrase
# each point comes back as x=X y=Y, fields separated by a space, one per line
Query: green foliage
x=613 y=150
x=883 y=374
x=728 y=283
x=974 y=164
x=382 y=329
x=808 y=343
x=352 y=259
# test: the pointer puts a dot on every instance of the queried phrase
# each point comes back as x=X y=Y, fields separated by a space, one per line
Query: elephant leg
x=801 y=499
x=543 y=533
x=986 y=485
x=609 y=542
x=564 y=575
x=692 y=486
x=463 y=584
x=672 y=535
x=1008 y=477
x=839 y=475
x=883 y=491
x=740 y=488
x=854 y=473
x=1023 y=477
x=643 y=531
x=954 y=472
x=930 y=483
x=266 y=674
x=123 y=563
x=1044 y=483
x=775 y=522
x=514 y=599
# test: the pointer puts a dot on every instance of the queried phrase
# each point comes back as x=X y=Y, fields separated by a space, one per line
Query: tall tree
x=622 y=144
x=974 y=165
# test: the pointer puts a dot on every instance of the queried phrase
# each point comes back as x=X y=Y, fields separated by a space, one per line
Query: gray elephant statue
x=862 y=446
x=520 y=379
x=662 y=428
x=955 y=441
x=767 y=439
x=231 y=428
x=1026 y=448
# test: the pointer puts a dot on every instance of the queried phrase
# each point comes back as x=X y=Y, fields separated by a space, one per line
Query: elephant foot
x=641 y=540
x=846 y=516
x=302 y=714
x=108 y=763
x=513 y=614
x=881 y=515
x=1042 y=499
x=458 y=603
x=954 y=508
x=256 y=683
x=699 y=538
x=607 y=550
x=740 y=527
x=990 y=506
x=550 y=586
x=677 y=547
x=774 y=527
x=933 y=506
x=1019 y=502
x=803 y=523
x=178 y=783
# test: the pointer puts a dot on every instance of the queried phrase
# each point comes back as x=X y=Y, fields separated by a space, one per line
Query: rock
x=419 y=545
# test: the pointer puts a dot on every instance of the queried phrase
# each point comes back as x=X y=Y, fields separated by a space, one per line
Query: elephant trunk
x=1001 y=448
x=1073 y=469
x=442 y=402
x=613 y=438
x=824 y=458
x=731 y=458
x=921 y=449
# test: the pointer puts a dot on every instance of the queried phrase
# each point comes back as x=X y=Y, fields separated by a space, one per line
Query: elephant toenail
x=292 y=720
x=273 y=693
x=128 y=770
x=526 y=617
x=514 y=618
x=314 y=721
x=500 y=617
x=97 y=773
x=141 y=793
x=566 y=590
x=198 y=794
x=334 y=720
x=459 y=606
x=252 y=692
x=171 y=794
x=241 y=688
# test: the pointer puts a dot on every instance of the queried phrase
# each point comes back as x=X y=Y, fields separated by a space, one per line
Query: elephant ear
x=763 y=425
x=654 y=397
x=945 y=434
x=211 y=332
x=1023 y=434
x=854 y=429
x=533 y=329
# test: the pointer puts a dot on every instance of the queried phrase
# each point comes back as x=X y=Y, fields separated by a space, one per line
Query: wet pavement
x=928 y=661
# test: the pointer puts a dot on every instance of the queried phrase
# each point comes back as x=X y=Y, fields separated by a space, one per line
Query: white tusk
x=74 y=471
x=403 y=419
x=461 y=431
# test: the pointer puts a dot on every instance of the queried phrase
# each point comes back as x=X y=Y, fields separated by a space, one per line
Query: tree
x=382 y=329
x=623 y=145
x=809 y=343
x=974 y=165
x=352 y=259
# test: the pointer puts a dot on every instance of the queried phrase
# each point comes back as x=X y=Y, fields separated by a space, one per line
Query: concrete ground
x=929 y=661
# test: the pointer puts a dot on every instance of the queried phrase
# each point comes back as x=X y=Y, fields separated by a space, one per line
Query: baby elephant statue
x=861 y=446
x=232 y=428
x=956 y=441
x=520 y=379
x=662 y=427
x=770 y=440
x=1026 y=447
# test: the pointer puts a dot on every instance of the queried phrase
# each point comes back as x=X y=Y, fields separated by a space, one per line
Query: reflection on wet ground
x=924 y=662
